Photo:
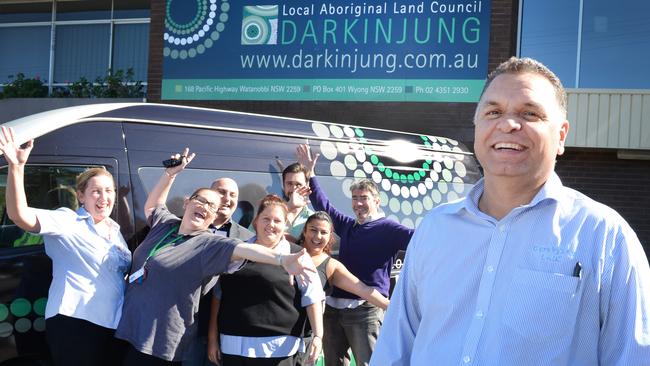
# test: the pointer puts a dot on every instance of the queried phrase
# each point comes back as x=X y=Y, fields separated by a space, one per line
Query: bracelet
x=169 y=175
x=317 y=336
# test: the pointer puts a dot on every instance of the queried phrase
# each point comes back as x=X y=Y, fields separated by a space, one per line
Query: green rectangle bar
x=362 y=90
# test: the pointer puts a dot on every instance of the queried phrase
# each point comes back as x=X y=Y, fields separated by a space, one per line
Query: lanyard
x=160 y=246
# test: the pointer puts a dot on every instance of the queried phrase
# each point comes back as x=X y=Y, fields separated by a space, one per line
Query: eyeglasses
x=211 y=206
x=361 y=198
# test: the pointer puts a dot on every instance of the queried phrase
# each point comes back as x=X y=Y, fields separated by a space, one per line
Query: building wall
x=448 y=119
x=621 y=184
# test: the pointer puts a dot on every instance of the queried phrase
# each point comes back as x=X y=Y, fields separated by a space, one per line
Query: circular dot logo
x=193 y=27
x=259 y=25
x=413 y=176
x=20 y=307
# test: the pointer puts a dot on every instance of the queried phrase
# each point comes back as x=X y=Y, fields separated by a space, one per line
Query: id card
x=137 y=275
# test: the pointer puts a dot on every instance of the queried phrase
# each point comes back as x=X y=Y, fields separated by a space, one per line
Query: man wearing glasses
x=369 y=242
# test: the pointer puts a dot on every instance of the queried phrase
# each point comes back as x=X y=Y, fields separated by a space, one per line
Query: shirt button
x=490 y=269
x=479 y=314
x=467 y=359
x=502 y=228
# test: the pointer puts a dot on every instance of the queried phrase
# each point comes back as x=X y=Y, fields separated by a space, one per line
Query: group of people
x=479 y=285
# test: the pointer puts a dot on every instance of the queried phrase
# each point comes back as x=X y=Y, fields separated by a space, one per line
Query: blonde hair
x=83 y=178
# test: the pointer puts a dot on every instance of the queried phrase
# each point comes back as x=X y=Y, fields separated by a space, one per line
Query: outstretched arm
x=16 y=200
x=297 y=264
x=345 y=280
x=159 y=193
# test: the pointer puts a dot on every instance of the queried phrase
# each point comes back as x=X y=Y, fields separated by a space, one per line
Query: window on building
x=24 y=50
x=615 y=44
x=131 y=48
x=554 y=44
x=82 y=50
x=609 y=49
x=90 y=37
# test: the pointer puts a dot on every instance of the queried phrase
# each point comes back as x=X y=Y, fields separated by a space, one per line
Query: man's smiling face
x=519 y=128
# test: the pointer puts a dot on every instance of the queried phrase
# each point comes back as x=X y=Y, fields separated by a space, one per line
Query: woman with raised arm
x=170 y=267
x=89 y=261
x=258 y=316
x=317 y=238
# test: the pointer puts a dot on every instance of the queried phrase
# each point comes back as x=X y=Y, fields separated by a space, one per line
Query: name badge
x=138 y=275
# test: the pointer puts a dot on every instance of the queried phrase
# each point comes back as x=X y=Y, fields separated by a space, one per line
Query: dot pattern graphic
x=407 y=190
x=259 y=25
x=194 y=37
x=17 y=316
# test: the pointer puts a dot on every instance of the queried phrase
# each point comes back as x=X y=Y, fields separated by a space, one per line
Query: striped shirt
x=562 y=280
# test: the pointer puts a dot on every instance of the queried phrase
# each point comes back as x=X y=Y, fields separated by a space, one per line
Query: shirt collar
x=371 y=218
x=223 y=227
x=551 y=190
x=85 y=215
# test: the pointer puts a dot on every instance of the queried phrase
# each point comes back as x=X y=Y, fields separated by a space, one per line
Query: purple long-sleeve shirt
x=368 y=249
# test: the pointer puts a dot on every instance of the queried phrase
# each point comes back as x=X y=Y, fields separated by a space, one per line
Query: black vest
x=258 y=301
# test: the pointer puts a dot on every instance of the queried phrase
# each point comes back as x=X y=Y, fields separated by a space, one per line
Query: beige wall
x=607 y=118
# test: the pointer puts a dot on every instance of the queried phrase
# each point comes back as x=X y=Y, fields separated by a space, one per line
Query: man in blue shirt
x=523 y=271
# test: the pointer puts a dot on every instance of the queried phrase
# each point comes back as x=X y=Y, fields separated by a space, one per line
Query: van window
x=252 y=187
x=47 y=187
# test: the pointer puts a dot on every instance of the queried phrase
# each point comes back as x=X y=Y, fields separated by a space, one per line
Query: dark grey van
x=414 y=173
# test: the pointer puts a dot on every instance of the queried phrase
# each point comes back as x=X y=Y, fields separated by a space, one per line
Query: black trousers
x=136 y=358
x=79 y=342
x=231 y=360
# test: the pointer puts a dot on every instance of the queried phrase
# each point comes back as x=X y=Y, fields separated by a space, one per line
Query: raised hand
x=185 y=158
x=305 y=157
x=298 y=197
x=13 y=152
x=299 y=264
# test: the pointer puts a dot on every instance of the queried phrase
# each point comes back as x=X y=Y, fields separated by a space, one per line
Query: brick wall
x=447 y=119
x=623 y=185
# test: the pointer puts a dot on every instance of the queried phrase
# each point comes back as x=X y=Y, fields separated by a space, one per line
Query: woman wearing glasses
x=172 y=265
x=89 y=261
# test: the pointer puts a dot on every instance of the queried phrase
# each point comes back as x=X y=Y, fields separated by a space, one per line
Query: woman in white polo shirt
x=89 y=261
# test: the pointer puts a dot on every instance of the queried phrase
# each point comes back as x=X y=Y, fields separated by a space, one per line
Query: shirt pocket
x=541 y=305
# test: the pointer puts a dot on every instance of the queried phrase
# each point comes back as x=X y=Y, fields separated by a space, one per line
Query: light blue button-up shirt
x=87 y=269
x=562 y=280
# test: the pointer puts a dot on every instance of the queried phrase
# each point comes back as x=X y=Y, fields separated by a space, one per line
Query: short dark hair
x=515 y=65
x=294 y=168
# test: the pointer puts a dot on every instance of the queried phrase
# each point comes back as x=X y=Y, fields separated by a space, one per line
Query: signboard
x=433 y=51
